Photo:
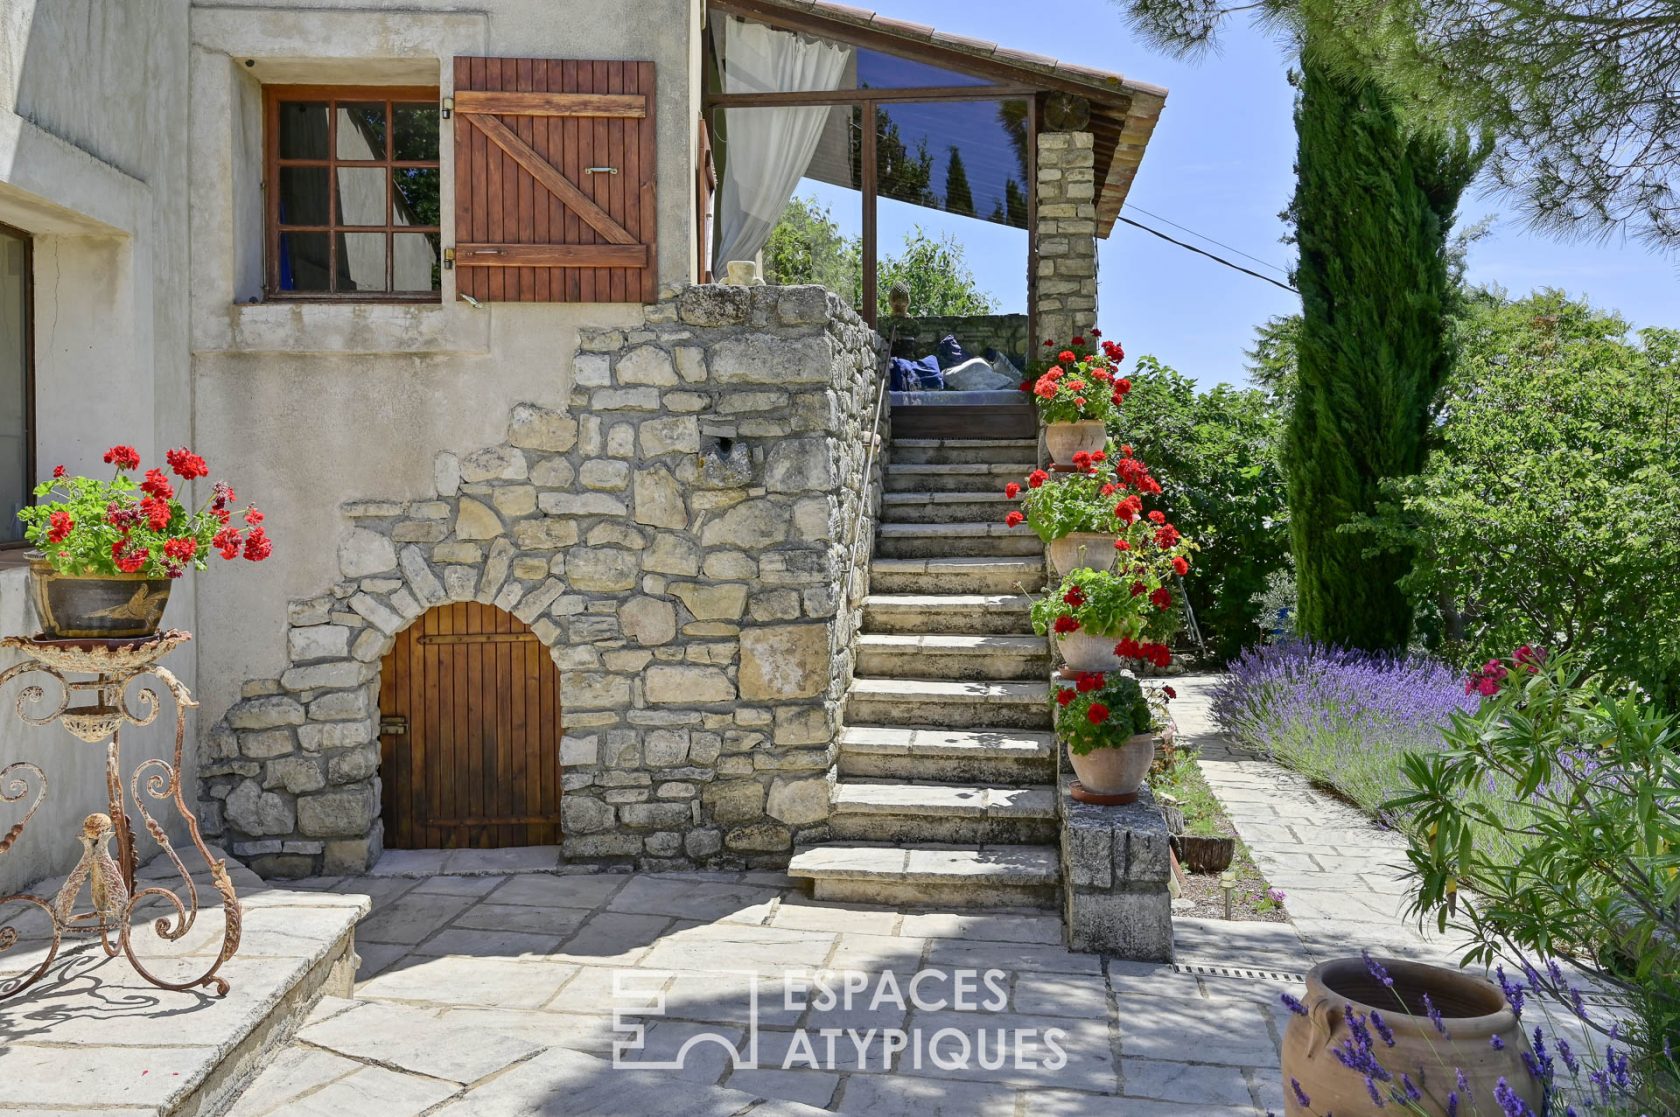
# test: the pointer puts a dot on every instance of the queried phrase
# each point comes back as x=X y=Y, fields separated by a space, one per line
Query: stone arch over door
x=469 y=733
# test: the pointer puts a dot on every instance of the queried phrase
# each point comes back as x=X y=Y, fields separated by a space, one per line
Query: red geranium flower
x=1074 y=597
x=127 y=561
x=1090 y=680
x=1122 y=385
x=1169 y=692
x=59 y=526
x=1139 y=589
x=186 y=464
x=227 y=541
x=1161 y=598
x=1097 y=714
x=1065 y=625
x=1082 y=459
x=1095 y=332
x=257 y=546
x=123 y=457
x=157 y=512
x=157 y=484
x=1064 y=696
x=181 y=550
x=1122 y=545
x=1014 y=519
x=253 y=517
x=58 y=471
x=1067 y=357
x=1181 y=566
x=1157 y=517
x=1036 y=478
x=1012 y=490
x=1079 y=341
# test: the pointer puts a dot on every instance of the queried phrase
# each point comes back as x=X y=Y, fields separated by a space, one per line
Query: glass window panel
x=304 y=264
x=361 y=262
x=361 y=131
x=303 y=130
x=416 y=260
x=415 y=132
x=361 y=195
x=415 y=200
x=303 y=196
x=878 y=70
x=15 y=435
x=864 y=68
x=969 y=158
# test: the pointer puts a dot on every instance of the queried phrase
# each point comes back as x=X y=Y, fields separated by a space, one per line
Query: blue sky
x=1220 y=163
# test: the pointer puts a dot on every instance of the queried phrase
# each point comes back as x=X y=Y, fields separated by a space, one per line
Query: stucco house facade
x=572 y=549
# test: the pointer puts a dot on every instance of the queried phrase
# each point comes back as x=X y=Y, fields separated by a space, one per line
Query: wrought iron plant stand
x=115 y=894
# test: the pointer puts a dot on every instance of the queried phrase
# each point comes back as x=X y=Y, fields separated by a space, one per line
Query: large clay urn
x=1473 y=1011
x=1117 y=771
x=1082 y=550
x=1064 y=440
x=1083 y=651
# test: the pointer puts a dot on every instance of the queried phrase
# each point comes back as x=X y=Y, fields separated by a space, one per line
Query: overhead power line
x=1204 y=252
x=1203 y=236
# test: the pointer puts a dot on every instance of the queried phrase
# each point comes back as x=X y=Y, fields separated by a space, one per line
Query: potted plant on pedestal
x=1076 y=394
x=109 y=550
x=1072 y=513
x=1109 y=727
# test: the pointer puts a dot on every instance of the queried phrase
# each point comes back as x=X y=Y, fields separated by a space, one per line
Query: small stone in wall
x=649 y=621
x=256 y=812
x=671 y=685
x=537 y=428
x=798 y=802
x=784 y=662
x=364 y=553
x=446 y=474
x=647 y=364
x=476 y=521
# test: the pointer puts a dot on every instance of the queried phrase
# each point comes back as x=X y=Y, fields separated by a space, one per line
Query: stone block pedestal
x=1115 y=867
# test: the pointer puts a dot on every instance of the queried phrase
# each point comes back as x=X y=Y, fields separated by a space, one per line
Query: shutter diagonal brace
x=552 y=180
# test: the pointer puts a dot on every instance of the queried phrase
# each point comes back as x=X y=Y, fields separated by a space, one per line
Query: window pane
x=303 y=130
x=14 y=384
x=416 y=198
x=415 y=262
x=361 y=131
x=303 y=196
x=361 y=261
x=303 y=262
x=361 y=195
x=964 y=157
x=416 y=133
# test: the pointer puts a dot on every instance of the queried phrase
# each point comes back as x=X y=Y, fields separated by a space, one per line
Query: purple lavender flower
x=1377 y=970
x=1463 y=1083
x=1568 y=1057
x=1434 y=1015
x=1452 y=1105
x=1293 y=1004
x=1412 y=1092
x=1496 y=1043
x=1371 y=1088
x=1513 y=991
x=1300 y=1094
x=1509 y=1103
x=1382 y=1028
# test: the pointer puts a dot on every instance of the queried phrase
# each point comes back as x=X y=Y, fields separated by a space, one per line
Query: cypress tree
x=959 y=196
x=1373 y=209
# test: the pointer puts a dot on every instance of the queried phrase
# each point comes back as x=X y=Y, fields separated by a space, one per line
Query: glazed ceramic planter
x=1064 y=440
x=1082 y=550
x=1473 y=1012
x=1084 y=652
x=1116 y=771
x=107 y=606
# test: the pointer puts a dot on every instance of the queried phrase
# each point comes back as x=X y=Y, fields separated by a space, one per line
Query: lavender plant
x=1594 y=1076
x=1343 y=718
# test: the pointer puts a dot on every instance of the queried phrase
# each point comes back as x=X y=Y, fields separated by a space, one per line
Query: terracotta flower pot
x=1115 y=771
x=1084 y=652
x=106 y=606
x=1064 y=440
x=1472 y=1009
x=1082 y=550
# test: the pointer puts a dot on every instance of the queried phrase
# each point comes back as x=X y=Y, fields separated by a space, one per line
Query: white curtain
x=769 y=148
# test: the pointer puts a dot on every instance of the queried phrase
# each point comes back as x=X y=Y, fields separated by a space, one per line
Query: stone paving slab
x=698 y=947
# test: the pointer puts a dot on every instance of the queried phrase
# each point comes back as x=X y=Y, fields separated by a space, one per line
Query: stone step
x=967 y=613
x=958 y=574
x=906 y=655
x=944 y=507
x=1016 y=756
x=993 y=539
x=915 y=811
x=974 y=477
x=932 y=876
x=961 y=451
x=943 y=704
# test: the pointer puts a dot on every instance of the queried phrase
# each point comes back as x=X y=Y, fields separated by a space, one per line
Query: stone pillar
x=1115 y=866
x=1066 y=235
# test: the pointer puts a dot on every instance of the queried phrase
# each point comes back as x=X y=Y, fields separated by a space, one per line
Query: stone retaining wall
x=677 y=539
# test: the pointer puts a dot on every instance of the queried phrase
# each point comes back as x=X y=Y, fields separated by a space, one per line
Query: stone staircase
x=946 y=793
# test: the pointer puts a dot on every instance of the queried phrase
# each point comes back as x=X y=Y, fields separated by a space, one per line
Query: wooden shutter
x=554 y=180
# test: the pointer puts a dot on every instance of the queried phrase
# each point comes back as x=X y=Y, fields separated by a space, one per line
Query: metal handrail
x=868 y=470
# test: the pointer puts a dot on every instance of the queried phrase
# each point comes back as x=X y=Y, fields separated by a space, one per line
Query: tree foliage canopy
x=1583 y=96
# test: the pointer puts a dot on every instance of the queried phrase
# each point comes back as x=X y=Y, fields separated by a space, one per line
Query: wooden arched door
x=469 y=733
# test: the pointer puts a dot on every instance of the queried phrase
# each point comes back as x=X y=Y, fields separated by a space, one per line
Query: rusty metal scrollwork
x=114 y=665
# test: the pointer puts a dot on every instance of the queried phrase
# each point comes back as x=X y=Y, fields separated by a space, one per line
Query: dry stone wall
x=677 y=538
